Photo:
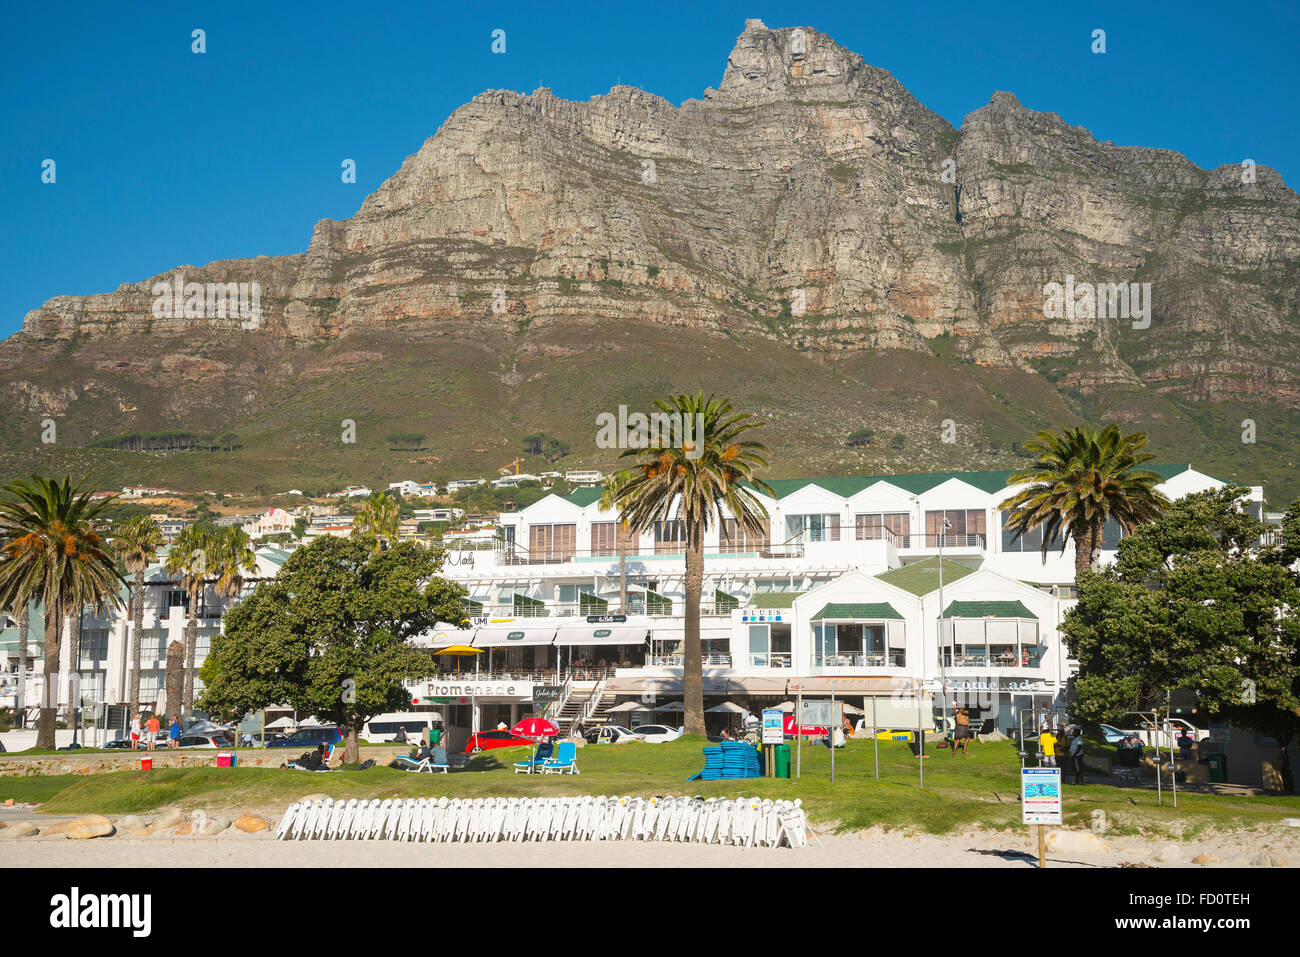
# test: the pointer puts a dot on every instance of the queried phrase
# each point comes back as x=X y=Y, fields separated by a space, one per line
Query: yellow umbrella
x=459 y=651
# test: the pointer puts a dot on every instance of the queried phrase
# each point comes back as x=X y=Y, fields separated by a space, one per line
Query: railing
x=891 y=659
x=979 y=660
x=950 y=540
x=553 y=708
x=776 y=659
x=668 y=608
x=589 y=706
x=676 y=661
x=520 y=555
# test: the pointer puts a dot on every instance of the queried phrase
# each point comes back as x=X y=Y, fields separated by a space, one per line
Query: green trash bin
x=1218 y=768
x=782 y=760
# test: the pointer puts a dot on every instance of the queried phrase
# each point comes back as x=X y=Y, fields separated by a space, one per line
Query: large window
x=965 y=527
x=812 y=528
x=604 y=538
x=859 y=644
x=552 y=543
x=670 y=537
x=892 y=526
x=1031 y=541
x=94 y=645
x=734 y=537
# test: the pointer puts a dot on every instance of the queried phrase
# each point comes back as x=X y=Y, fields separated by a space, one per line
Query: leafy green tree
x=136 y=544
x=898 y=441
x=330 y=634
x=1193 y=600
x=534 y=443
x=860 y=438
x=1082 y=478
x=694 y=486
x=50 y=553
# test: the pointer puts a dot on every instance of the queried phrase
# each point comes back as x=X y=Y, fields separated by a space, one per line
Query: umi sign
x=478 y=689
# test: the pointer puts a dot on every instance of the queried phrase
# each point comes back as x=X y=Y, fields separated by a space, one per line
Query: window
x=1111 y=533
x=894 y=526
x=812 y=528
x=966 y=527
x=603 y=538
x=1031 y=541
x=94 y=644
x=734 y=537
x=552 y=543
x=670 y=537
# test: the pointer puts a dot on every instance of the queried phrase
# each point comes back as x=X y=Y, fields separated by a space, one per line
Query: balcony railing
x=1027 y=659
x=891 y=659
x=775 y=659
x=575 y=609
x=514 y=554
x=676 y=661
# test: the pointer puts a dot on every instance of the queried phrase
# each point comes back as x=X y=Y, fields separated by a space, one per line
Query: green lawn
x=959 y=791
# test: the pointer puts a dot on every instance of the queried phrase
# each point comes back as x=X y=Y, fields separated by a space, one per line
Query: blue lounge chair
x=544 y=752
x=564 y=761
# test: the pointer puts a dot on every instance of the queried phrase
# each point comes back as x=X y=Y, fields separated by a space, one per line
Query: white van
x=384 y=727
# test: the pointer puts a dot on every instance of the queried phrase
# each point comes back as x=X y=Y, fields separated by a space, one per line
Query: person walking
x=1076 y=755
x=174 y=733
x=151 y=730
x=135 y=732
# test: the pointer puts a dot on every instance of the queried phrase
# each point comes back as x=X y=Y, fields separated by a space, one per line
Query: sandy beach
x=870 y=848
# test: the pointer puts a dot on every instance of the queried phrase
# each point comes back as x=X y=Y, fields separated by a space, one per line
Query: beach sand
x=871 y=848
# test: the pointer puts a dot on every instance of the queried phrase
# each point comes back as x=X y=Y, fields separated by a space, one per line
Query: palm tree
x=692 y=481
x=24 y=629
x=232 y=558
x=52 y=554
x=1081 y=479
x=377 y=519
x=137 y=543
x=190 y=557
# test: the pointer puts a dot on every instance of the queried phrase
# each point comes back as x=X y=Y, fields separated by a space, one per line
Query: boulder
x=88 y=826
x=1272 y=859
x=1206 y=860
x=312 y=797
x=132 y=824
x=168 y=817
x=20 y=829
x=214 y=826
x=1076 y=842
x=251 y=823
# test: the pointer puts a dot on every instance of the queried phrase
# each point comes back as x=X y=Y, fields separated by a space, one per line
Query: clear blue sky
x=165 y=157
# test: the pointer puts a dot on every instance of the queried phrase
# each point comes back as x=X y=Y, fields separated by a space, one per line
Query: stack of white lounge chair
x=747 y=822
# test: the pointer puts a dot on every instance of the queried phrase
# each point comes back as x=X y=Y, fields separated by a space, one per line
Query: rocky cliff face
x=808 y=199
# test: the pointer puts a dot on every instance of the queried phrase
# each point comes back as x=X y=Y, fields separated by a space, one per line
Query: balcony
x=1029 y=658
x=676 y=661
x=891 y=659
x=663 y=551
x=774 y=659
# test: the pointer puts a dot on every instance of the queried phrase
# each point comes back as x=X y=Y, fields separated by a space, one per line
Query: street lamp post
x=943 y=674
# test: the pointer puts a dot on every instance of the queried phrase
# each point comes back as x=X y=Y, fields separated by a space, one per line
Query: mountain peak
x=768 y=64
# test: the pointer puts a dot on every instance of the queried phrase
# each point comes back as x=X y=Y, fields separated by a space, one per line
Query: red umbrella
x=535 y=728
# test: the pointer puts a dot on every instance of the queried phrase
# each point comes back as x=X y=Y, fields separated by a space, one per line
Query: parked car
x=656 y=733
x=256 y=739
x=309 y=737
x=609 y=734
x=116 y=744
x=486 y=740
x=212 y=739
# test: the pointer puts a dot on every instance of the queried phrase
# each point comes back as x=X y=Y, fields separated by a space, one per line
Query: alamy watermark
x=654 y=430
x=179 y=299
x=1105 y=300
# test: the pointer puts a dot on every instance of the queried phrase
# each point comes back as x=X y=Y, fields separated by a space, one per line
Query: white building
x=513 y=481
x=584 y=477
x=455 y=485
x=404 y=488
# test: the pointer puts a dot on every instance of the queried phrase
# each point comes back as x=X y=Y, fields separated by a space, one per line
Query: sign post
x=817 y=714
x=798 y=738
x=1040 y=802
x=875 y=737
x=773 y=734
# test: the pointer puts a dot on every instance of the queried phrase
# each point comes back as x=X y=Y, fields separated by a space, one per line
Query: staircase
x=599 y=713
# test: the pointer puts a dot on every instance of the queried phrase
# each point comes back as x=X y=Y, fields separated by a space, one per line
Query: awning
x=513 y=634
x=868 y=611
x=610 y=633
x=988 y=609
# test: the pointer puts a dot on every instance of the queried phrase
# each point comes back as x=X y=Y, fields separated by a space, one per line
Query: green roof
x=921 y=578
x=918 y=482
x=868 y=611
x=774 y=599
x=582 y=497
x=987 y=609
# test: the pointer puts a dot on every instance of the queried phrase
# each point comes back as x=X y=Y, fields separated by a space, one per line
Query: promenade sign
x=474 y=688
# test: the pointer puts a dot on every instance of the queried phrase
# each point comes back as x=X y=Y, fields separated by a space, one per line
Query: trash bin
x=782 y=760
x=1218 y=768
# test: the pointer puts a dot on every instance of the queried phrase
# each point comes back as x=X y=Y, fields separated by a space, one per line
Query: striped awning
x=513 y=634
x=611 y=633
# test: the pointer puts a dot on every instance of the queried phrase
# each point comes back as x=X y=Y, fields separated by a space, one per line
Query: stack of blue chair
x=730 y=759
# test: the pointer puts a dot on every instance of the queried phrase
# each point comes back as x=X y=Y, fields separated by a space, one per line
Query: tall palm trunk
x=24 y=629
x=50 y=678
x=693 y=665
x=173 y=680
x=191 y=646
x=74 y=668
x=137 y=626
x=1085 y=543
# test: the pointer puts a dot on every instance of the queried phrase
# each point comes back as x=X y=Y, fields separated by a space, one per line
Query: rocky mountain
x=809 y=212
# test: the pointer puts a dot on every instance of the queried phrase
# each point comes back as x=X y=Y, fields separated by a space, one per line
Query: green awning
x=988 y=609
x=723 y=603
x=525 y=607
x=858 y=611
